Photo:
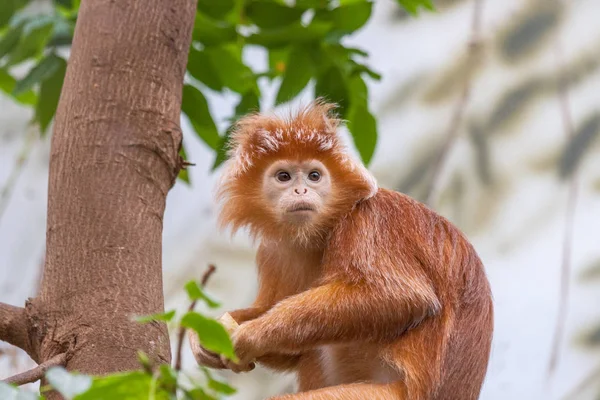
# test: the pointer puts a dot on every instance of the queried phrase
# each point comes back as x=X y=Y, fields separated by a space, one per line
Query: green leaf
x=331 y=85
x=249 y=102
x=168 y=377
x=232 y=72
x=359 y=93
x=211 y=33
x=36 y=33
x=412 y=6
x=268 y=14
x=222 y=149
x=67 y=384
x=297 y=75
x=291 y=34
x=42 y=71
x=135 y=385
x=195 y=107
x=7 y=85
x=216 y=8
x=49 y=96
x=216 y=385
x=164 y=316
x=357 y=68
x=9 y=8
x=195 y=292
x=10 y=39
x=351 y=17
x=363 y=127
x=198 y=394
x=201 y=67
x=8 y=392
x=278 y=58
x=183 y=172
x=211 y=333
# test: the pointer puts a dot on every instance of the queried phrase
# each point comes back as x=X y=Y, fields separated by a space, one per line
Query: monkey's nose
x=304 y=190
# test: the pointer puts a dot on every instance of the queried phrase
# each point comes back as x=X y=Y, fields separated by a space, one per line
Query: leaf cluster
x=302 y=40
x=149 y=381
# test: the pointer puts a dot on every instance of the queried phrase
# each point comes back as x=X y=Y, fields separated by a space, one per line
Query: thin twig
x=181 y=333
x=592 y=377
x=565 y=278
x=452 y=132
x=38 y=372
x=7 y=189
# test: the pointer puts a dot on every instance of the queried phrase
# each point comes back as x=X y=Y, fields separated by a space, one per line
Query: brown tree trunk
x=114 y=157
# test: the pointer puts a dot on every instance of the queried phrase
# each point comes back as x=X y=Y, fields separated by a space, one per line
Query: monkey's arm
x=373 y=289
x=278 y=362
x=333 y=313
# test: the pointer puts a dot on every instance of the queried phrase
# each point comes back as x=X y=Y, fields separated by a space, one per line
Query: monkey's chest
x=343 y=364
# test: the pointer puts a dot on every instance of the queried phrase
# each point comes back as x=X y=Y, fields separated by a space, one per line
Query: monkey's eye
x=283 y=176
x=314 y=176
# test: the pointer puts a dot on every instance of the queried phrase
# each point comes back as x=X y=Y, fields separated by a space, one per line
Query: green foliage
x=195 y=292
x=212 y=334
x=150 y=381
x=302 y=40
x=413 y=6
x=165 y=316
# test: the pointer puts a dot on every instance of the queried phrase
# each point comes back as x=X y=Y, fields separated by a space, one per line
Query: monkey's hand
x=204 y=357
x=244 y=344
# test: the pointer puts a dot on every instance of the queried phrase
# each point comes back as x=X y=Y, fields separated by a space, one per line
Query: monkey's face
x=297 y=191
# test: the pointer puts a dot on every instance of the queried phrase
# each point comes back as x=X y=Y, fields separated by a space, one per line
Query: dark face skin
x=297 y=190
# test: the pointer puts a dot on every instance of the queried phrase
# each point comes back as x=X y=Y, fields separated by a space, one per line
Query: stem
x=181 y=333
x=452 y=133
x=565 y=273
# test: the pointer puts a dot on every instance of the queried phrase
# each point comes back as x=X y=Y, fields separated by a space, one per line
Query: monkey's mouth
x=299 y=207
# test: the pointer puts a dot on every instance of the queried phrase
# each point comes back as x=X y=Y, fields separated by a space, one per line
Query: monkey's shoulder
x=388 y=205
x=395 y=215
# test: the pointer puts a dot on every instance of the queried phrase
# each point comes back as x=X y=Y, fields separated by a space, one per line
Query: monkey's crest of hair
x=259 y=140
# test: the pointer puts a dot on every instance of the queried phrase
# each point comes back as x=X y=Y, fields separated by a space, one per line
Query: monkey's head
x=290 y=178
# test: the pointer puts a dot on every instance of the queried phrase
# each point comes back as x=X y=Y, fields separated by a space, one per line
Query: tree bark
x=114 y=157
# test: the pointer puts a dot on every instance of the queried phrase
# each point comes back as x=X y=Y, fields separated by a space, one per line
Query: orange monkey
x=364 y=292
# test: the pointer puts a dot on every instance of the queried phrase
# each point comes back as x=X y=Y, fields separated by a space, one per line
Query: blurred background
x=497 y=131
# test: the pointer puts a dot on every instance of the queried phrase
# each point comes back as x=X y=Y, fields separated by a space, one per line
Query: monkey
x=364 y=292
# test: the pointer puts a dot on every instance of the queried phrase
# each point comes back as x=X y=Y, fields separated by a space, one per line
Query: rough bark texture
x=114 y=157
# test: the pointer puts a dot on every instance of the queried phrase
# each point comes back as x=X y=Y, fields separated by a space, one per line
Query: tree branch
x=452 y=132
x=38 y=372
x=14 y=327
x=181 y=333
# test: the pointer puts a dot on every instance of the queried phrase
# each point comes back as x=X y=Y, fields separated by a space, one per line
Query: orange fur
x=380 y=298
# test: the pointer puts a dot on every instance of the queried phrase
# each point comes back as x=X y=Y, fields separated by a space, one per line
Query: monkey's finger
x=237 y=368
x=203 y=356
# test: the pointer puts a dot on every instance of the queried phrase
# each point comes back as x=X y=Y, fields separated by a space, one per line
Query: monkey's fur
x=364 y=292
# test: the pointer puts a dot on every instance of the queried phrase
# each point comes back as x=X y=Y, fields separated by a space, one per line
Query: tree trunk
x=114 y=157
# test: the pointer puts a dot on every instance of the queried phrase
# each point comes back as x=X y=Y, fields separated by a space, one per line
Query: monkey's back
x=449 y=350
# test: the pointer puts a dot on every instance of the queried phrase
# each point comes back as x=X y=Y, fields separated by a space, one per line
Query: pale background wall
x=500 y=183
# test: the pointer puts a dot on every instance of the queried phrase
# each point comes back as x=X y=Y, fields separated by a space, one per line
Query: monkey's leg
x=355 y=391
